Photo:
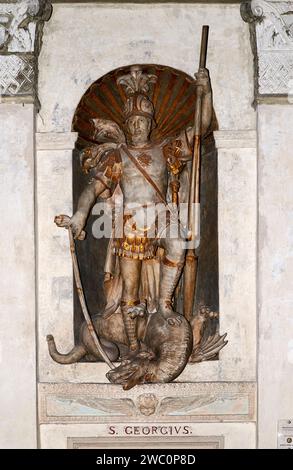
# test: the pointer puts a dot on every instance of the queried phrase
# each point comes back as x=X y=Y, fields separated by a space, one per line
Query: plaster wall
x=82 y=42
x=17 y=274
x=275 y=255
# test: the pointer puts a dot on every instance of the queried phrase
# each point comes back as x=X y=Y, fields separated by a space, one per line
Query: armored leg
x=130 y=271
x=170 y=273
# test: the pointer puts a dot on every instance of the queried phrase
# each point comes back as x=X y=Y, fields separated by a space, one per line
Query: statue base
x=196 y=415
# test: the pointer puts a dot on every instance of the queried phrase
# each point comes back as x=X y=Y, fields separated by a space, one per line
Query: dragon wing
x=98 y=406
x=208 y=348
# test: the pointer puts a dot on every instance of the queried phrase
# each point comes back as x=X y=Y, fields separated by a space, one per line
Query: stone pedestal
x=199 y=415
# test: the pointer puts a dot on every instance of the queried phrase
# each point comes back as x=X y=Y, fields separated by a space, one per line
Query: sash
x=145 y=174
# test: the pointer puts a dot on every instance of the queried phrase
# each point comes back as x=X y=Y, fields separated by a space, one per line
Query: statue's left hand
x=203 y=80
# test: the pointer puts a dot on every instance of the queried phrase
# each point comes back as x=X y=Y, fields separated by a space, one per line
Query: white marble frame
x=163 y=442
x=70 y=403
x=236 y=164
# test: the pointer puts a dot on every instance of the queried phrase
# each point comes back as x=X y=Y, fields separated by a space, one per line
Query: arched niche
x=173 y=96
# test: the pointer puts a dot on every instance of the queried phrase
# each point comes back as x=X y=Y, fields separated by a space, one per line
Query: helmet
x=138 y=104
x=137 y=86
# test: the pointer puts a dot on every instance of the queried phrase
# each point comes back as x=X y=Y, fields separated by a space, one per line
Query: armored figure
x=141 y=168
x=140 y=325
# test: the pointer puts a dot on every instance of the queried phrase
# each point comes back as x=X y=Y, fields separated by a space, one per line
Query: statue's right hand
x=77 y=223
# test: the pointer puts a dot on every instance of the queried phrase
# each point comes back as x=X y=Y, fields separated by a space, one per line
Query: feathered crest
x=136 y=81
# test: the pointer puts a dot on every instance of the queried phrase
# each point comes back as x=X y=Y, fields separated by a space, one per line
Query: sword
x=63 y=221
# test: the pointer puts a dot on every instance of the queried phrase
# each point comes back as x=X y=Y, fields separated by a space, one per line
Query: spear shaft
x=194 y=194
x=190 y=272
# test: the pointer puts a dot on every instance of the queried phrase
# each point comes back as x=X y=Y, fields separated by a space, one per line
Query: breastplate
x=134 y=185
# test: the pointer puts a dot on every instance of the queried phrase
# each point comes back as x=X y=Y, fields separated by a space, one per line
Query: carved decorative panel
x=93 y=403
x=272 y=38
x=21 y=24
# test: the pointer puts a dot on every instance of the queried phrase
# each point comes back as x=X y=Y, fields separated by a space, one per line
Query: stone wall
x=215 y=400
x=109 y=36
x=275 y=242
x=271 y=33
x=17 y=272
x=20 y=25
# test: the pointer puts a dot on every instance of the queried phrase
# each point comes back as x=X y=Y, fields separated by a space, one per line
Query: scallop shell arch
x=173 y=96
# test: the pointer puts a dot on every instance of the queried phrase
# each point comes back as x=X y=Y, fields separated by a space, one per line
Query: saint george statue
x=140 y=325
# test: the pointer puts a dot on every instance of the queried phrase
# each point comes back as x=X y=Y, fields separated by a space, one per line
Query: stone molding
x=56 y=140
x=157 y=442
x=223 y=139
x=21 y=25
x=137 y=2
x=235 y=139
x=189 y=402
x=271 y=28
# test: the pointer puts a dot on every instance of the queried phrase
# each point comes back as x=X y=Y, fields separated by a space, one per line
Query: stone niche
x=174 y=111
x=212 y=404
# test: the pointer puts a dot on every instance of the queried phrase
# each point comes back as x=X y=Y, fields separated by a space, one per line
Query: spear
x=190 y=271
